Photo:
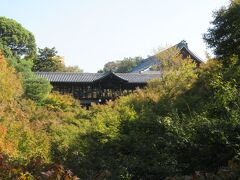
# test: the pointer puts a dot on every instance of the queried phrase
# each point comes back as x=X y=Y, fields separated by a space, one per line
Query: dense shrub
x=37 y=88
x=59 y=102
x=10 y=87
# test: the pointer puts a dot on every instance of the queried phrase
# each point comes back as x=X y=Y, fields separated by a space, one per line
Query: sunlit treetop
x=15 y=40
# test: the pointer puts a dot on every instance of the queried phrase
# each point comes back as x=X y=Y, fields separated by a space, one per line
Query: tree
x=127 y=64
x=122 y=66
x=15 y=40
x=224 y=36
x=110 y=66
x=72 y=69
x=49 y=61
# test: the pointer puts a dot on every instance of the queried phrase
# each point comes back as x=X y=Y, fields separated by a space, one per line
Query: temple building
x=155 y=60
x=101 y=87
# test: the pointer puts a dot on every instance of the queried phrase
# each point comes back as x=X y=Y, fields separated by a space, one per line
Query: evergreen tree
x=224 y=36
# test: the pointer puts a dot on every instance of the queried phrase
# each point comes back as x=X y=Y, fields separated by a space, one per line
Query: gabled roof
x=110 y=74
x=183 y=45
x=153 y=60
x=63 y=77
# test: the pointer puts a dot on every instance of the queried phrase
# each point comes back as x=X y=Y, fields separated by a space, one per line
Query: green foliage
x=10 y=87
x=18 y=139
x=127 y=139
x=218 y=89
x=24 y=66
x=6 y=50
x=26 y=143
x=232 y=171
x=72 y=69
x=48 y=61
x=35 y=169
x=36 y=88
x=63 y=103
x=122 y=66
x=185 y=122
x=15 y=40
x=18 y=45
x=26 y=129
x=223 y=37
x=175 y=126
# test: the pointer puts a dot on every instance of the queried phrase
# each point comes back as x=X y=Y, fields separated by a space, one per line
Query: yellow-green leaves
x=178 y=76
x=10 y=86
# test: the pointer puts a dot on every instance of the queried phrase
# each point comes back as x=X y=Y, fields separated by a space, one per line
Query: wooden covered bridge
x=97 y=87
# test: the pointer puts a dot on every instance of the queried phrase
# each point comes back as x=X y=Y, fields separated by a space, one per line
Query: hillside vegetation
x=185 y=124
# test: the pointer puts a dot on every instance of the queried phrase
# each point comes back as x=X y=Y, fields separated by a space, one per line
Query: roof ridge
x=45 y=72
x=91 y=77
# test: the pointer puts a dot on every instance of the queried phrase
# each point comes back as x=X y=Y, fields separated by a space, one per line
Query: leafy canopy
x=15 y=40
x=36 y=88
x=122 y=66
x=48 y=60
x=223 y=37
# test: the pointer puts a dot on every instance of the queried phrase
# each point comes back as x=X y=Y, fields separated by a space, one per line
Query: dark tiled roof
x=69 y=77
x=94 y=77
x=138 y=77
x=153 y=60
x=147 y=63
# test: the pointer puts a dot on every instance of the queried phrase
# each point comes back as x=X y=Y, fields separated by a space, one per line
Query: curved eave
x=192 y=54
x=109 y=74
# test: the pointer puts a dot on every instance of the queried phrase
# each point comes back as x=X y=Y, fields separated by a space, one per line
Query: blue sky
x=89 y=33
